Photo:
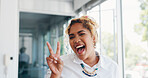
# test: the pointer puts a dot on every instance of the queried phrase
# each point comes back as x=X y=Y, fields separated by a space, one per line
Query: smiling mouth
x=80 y=49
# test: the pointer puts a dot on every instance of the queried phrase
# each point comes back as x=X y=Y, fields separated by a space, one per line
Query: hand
x=54 y=62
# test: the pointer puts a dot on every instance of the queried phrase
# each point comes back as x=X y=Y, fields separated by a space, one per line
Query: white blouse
x=107 y=68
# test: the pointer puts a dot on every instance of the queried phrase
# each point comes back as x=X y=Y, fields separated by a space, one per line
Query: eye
x=82 y=34
x=71 y=37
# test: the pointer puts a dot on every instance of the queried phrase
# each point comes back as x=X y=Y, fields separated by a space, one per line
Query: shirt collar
x=99 y=64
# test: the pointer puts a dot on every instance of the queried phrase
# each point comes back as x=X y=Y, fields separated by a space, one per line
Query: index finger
x=58 y=48
x=50 y=49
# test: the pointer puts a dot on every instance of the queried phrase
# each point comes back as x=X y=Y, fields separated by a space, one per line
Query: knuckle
x=47 y=58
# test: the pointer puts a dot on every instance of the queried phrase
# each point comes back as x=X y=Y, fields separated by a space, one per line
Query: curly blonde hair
x=88 y=23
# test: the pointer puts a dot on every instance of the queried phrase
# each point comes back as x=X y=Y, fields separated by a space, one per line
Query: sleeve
x=48 y=74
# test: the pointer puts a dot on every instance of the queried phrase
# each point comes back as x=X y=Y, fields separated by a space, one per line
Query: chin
x=81 y=57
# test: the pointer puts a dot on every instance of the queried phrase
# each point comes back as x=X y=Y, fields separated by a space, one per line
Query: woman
x=85 y=62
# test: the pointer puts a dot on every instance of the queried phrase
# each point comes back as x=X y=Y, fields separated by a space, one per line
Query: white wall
x=79 y=3
x=56 y=7
x=9 y=36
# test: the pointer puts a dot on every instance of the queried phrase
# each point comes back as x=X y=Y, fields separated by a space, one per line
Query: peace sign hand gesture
x=54 y=62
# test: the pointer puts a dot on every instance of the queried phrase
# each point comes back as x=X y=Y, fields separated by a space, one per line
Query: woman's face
x=81 y=41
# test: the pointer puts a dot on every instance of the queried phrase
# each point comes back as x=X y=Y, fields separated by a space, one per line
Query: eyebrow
x=78 y=32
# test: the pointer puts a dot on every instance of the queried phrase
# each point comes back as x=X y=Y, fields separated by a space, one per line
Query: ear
x=94 y=39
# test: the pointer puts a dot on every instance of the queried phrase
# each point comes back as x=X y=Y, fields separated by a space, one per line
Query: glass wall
x=135 y=25
x=105 y=16
x=35 y=30
x=25 y=55
x=25 y=40
x=54 y=34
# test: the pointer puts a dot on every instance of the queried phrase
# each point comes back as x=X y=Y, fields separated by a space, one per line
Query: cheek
x=71 y=43
x=89 y=41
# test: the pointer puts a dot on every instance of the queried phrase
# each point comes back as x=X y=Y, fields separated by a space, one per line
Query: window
x=104 y=15
x=135 y=25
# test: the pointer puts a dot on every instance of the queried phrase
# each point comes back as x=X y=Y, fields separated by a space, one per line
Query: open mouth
x=80 y=49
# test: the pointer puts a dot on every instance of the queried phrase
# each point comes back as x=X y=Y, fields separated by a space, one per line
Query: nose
x=77 y=40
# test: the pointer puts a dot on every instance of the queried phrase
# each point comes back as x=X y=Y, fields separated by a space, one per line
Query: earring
x=94 y=45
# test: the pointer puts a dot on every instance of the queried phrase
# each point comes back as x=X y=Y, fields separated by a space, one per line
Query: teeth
x=79 y=46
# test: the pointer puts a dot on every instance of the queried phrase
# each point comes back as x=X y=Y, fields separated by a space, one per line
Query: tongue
x=80 y=50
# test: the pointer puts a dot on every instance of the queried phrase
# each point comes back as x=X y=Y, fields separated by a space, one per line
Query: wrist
x=55 y=75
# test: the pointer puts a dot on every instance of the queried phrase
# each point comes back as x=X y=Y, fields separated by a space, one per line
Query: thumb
x=59 y=61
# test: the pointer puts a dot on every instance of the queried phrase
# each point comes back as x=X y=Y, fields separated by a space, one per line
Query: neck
x=91 y=60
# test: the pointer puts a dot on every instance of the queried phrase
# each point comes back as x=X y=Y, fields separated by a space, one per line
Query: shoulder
x=67 y=57
x=110 y=67
x=108 y=62
x=107 y=59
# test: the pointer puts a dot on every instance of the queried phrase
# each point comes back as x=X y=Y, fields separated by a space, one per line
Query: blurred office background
x=123 y=32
